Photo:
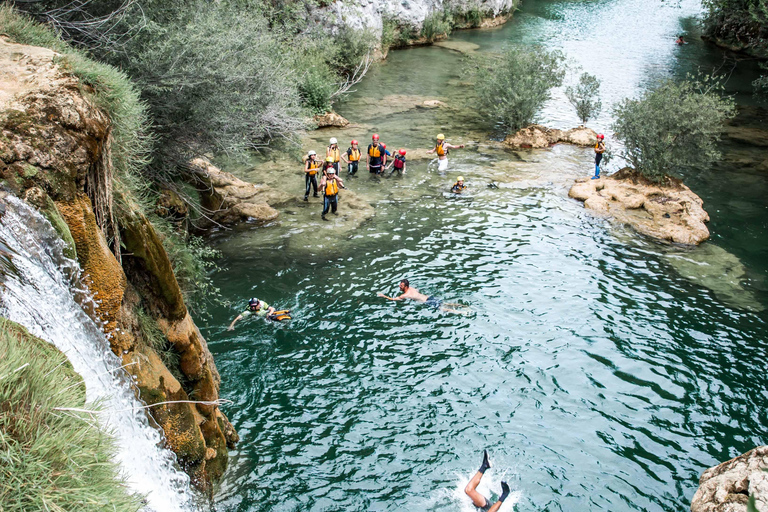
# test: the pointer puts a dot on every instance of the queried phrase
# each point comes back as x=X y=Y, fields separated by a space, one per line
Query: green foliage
x=51 y=460
x=673 y=127
x=742 y=23
x=585 y=97
x=512 y=86
x=437 y=25
x=389 y=33
x=24 y=30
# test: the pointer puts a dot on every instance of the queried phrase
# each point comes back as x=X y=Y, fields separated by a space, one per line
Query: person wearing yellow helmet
x=459 y=186
x=441 y=148
x=329 y=163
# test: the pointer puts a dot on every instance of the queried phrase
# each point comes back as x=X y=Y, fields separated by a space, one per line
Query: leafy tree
x=585 y=97
x=673 y=127
x=512 y=86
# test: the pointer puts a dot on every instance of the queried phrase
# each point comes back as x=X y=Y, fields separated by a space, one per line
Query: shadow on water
x=604 y=371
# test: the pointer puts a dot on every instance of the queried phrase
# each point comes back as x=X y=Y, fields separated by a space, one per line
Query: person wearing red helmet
x=384 y=157
x=398 y=163
x=352 y=157
x=375 y=155
x=599 y=150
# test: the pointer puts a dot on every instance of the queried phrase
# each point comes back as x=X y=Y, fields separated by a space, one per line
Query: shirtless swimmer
x=408 y=292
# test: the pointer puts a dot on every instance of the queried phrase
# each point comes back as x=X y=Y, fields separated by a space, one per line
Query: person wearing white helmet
x=333 y=152
x=311 y=168
x=441 y=148
x=330 y=185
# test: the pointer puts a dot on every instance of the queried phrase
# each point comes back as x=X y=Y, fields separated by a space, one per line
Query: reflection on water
x=604 y=371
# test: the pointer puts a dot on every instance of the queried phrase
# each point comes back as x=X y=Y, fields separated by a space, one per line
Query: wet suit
x=375 y=160
x=353 y=155
x=310 y=178
x=599 y=149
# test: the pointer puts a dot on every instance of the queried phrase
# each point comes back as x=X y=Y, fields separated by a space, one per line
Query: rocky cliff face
x=728 y=487
x=371 y=14
x=54 y=152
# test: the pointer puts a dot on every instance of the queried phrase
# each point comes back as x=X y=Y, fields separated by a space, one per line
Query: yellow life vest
x=331 y=188
x=333 y=153
x=598 y=149
x=374 y=151
x=354 y=155
x=440 y=149
x=313 y=164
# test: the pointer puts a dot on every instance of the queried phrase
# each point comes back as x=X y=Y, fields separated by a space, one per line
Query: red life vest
x=399 y=163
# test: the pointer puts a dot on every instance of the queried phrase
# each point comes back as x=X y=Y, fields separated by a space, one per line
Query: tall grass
x=51 y=460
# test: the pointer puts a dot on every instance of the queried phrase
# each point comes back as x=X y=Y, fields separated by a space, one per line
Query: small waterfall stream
x=40 y=292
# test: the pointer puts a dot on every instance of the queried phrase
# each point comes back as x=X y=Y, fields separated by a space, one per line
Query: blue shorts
x=434 y=302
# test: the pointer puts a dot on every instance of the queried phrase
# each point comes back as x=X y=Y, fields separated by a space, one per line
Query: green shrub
x=436 y=25
x=470 y=18
x=352 y=47
x=585 y=97
x=51 y=460
x=673 y=127
x=512 y=87
x=389 y=33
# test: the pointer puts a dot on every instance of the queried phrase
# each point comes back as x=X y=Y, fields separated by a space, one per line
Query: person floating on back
x=441 y=148
x=375 y=155
x=408 y=292
x=255 y=308
x=599 y=150
x=330 y=185
x=459 y=186
x=398 y=163
x=478 y=499
x=311 y=167
x=334 y=154
x=352 y=157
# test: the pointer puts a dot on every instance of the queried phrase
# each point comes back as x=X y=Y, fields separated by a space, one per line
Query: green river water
x=601 y=369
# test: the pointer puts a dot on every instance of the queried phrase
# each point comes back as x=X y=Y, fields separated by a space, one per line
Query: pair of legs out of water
x=478 y=499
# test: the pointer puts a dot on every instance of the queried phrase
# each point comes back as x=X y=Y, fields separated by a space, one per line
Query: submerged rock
x=667 y=212
x=464 y=47
x=538 y=136
x=727 y=487
x=330 y=120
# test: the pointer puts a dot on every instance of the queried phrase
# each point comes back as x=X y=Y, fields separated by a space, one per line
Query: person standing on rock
x=310 y=173
x=375 y=154
x=478 y=500
x=330 y=185
x=599 y=150
x=441 y=148
x=352 y=157
x=333 y=152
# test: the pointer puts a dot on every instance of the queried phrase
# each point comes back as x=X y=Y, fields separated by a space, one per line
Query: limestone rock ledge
x=667 y=212
x=54 y=153
x=330 y=120
x=727 y=487
x=538 y=136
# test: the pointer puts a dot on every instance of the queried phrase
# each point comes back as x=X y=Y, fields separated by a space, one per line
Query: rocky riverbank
x=668 y=212
x=728 y=486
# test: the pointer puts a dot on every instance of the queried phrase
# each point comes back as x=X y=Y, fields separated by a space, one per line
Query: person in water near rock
x=352 y=157
x=333 y=153
x=680 y=41
x=398 y=163
x=441 y=148
x=478 y=499
x=257 y=308
x=599 y=150
x=375 y=155
x=330 y=185
x=459 y=186
x=311 y=167
x=409 y=292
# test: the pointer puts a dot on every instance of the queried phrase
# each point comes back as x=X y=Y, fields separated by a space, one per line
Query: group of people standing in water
x=378 y=159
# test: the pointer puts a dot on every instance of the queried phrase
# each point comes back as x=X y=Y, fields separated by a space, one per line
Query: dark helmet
x=252 y=302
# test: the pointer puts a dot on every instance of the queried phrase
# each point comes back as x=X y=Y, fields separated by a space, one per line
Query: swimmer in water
x=408 y=292
x=480 y=501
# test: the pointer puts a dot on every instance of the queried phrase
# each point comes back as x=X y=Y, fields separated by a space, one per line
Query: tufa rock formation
x=330 y=120
x=667 y=212
x=55 y=153
x=538 y=136
x=727 y=487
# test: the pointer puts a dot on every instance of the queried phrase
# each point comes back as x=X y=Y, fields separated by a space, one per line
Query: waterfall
x=42 y=291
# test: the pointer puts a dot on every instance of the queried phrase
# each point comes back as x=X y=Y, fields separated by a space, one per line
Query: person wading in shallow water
x=333 y=153
x=330 y=185
x=310 y=173
x=375 y=154
x=408 y=292
x=599 y=150
x=441 y=148
x=478 y=499
x=352 y=157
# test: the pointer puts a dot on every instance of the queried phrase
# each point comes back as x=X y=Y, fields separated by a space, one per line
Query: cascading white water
x=41 y=297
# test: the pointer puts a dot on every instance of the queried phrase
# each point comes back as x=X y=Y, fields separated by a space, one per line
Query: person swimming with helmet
x=441 y=148
x=257 y=308
x=478 y=500
x=459 y=186
x=409 y=292
x=599 y=150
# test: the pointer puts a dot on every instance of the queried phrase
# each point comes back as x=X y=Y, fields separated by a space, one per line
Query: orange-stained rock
x=101 y=271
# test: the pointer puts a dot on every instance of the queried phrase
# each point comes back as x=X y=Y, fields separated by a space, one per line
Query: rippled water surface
x=602 y=370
